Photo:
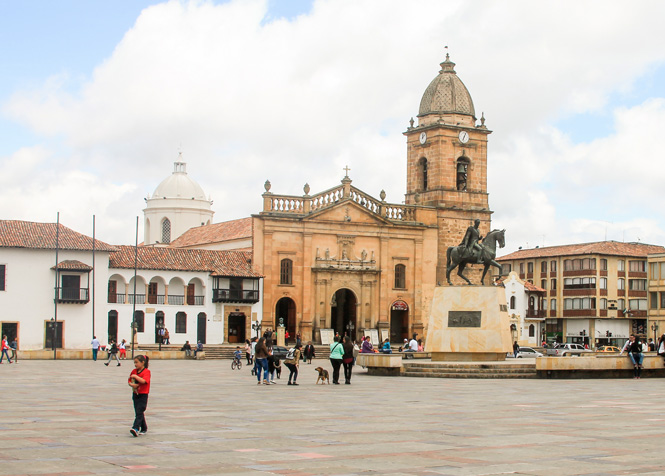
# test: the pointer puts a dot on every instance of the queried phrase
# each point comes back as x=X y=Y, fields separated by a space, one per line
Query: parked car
x=528 y=352
x=279 y=352
x=567 y=349
x=608 y=348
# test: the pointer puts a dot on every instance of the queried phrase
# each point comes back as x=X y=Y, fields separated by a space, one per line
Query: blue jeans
x=261 y=364
x=636 y=358
x=94 y=354
x=5 y=352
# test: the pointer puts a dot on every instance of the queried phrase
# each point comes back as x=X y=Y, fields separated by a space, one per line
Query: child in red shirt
x=139 y=380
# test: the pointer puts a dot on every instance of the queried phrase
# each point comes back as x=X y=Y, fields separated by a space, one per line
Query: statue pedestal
x=468 y=323
x=280 y=336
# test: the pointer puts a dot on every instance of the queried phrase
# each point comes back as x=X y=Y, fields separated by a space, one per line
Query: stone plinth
x=280 y=336
x=468 y=323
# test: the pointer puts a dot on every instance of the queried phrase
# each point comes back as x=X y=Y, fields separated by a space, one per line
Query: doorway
x=10 y=329
x=286 y=310
x=51 y=328
x=201 y=323
x=113 y=326
x=159 y=325
x=399 y=322
x=237 y=327
x=343 y=313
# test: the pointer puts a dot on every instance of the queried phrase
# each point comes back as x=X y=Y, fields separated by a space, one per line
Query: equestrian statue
x=470 y=251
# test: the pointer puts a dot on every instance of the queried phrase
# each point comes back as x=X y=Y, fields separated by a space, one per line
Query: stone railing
x=327 y=198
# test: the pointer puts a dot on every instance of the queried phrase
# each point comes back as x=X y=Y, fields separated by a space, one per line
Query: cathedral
x=341 y=259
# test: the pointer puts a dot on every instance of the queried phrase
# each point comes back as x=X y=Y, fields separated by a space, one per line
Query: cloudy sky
x=97 y=98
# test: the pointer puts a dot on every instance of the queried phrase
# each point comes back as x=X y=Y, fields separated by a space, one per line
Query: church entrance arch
x=343 y=313
x=286 y=310
x=399 y=322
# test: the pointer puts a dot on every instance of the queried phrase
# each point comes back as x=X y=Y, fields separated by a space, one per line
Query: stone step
x=479 y=371
x=442 y=365
x=474 y=375
x=225 y=351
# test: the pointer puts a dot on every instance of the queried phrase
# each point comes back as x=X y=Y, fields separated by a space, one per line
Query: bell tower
x=447 y=160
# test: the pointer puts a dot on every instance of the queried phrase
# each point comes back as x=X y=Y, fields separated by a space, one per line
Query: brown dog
x=323 y=376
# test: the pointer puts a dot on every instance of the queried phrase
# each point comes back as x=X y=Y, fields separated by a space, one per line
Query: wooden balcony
x=235 y=295
x=72 y=295
x=535 y=314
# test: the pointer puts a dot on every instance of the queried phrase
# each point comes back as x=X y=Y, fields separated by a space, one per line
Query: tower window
x=462 y=173
x=166 y=231
x=423 y=173
x=286 y=271
x=400 y=276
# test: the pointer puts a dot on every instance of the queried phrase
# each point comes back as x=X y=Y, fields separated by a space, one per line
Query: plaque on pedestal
x=280 y=336
x=468 y=324
x=327 y=336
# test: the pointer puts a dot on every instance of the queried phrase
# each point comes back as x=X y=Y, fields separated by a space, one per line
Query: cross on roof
x=347 y=170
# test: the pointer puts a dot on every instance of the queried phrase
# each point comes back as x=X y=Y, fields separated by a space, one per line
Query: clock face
x=423 y=137
x=464 y=137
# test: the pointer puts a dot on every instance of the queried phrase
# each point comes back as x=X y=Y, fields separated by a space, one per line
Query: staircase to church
x=477 y=370
x=225 y=351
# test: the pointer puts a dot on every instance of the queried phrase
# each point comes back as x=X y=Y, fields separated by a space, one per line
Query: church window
x=512 y=302
x=166 y=231
x=400 y=276
x=2 y=277
x=286 y=271
x=462 y=173
x=423 y=173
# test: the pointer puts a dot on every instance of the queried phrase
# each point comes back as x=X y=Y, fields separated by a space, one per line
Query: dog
x=323 y=376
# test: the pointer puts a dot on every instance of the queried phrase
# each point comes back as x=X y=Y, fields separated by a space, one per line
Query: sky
x=97 y=99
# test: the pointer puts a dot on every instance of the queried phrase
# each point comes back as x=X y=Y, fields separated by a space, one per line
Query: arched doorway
x=286 y=309
x=159 y=325
x=399 y=322
x=112 y=326
x=237 y=327
x=343 y=313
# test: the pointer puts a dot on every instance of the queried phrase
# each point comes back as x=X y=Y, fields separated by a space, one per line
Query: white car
x=526 y=353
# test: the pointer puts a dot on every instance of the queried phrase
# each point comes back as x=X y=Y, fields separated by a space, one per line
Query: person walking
x=261 y=358
x=14 y=346
x=634 y=348
x=292 y=362
x=310 y=352
x=248 y=352
x=167 y=336
x=5 y=349
x=347 y=359
x=122 y=350
x=139 y=380
x=660 y=348
x=516 y=349
x=113 y=353
x=95 y=347
x=336 y=356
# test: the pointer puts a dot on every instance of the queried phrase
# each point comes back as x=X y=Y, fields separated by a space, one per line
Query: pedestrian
x=274 y=368
x=421 y=347
x=367 y=347
x=95 y=347
x=5 y=350
x=347 y=359
x=652 y=345
x=113 y=353
x=199 y=348
x=413 y=343
x=336 y=356
x=385 y=347
x=298 y=339
x=253 y=351
x=261 y=357
x=122 y=350
x=139 y=380
x=167 y=336
x=634 y=348
x=516 y=349
x=14 y=346
x=661 y=346
x=187 y=349
x=309 y=352
x=292 y=362
x=286 y=337
x=248 y=352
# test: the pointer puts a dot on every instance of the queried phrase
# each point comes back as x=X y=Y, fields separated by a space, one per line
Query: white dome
x=179 y=185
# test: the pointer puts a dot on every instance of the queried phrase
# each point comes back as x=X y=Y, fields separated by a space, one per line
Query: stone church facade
x=344 y=260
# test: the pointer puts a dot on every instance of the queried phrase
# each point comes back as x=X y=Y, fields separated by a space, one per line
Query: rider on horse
x=470 y=243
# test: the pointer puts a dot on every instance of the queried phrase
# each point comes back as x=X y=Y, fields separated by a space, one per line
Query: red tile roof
x=25 y=234
x=532 y=287
x=611 y=248
x=218 y=263
x=215 y=233
x=73 y=265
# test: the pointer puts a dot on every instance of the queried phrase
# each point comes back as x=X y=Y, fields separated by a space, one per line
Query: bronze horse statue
x=455 y=257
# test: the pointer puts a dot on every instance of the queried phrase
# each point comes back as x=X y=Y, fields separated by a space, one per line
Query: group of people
x=117 y=351
x=6 y=347
x=187 y=348
x=635 y=349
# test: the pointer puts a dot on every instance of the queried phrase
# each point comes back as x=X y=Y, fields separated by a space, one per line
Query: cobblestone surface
x=73 y=418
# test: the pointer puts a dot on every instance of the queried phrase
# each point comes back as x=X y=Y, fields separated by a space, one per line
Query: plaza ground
x=73 y=418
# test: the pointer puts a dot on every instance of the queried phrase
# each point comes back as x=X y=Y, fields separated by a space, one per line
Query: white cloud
x=294 y=101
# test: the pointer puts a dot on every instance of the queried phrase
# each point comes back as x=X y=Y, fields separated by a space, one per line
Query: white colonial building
x=526 y=308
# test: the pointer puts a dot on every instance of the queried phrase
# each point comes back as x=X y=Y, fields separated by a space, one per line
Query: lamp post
x=257 y=328
x=654 y=328
x=350 y=327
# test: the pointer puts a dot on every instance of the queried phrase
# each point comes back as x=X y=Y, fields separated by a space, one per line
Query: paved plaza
x=73 y=418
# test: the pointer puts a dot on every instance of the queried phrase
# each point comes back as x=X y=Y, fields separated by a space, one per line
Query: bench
x=415 y=355
x=380 y=364
x=598 y=366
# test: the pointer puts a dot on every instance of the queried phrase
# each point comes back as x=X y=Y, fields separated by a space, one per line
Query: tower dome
x=179 y=185
x=178 y=204
x=446 y=94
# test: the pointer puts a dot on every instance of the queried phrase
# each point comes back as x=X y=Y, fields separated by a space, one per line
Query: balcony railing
x=138 y=298
x=116 y=298
x=73 y=295
x=156 y=298
x=195 y=300
x=235 y=295
x=535 y=314
x=176 y=299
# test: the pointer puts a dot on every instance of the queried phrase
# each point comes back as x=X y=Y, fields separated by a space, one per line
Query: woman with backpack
x=292 y=362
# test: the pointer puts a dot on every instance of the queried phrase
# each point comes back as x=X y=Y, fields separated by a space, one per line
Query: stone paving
x=73 y=418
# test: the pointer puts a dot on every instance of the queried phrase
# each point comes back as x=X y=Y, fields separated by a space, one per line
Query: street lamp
x=350 y=327
x=256 y=327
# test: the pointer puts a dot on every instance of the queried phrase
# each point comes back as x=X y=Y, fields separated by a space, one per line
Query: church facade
x=344 y=260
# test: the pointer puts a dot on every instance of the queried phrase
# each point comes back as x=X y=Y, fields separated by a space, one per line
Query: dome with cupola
x=179 y=185
x=446 y=94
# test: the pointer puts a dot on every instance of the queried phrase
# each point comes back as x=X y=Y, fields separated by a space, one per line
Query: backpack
x=291 y=354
